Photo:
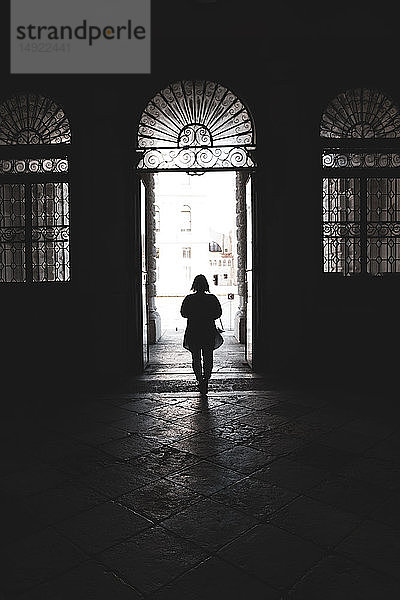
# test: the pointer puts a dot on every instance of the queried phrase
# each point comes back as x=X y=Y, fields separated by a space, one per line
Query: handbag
x=218 y=339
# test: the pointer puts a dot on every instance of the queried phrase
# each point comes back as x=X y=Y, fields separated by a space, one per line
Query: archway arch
x=197 y=126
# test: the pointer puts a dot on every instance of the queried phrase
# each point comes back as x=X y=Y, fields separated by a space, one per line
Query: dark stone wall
x=285 y=67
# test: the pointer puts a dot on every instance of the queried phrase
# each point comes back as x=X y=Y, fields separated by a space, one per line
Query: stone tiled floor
x=254 y=492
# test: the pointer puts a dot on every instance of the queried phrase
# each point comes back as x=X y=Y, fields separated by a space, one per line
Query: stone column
x=241 y=236
x=154 y=319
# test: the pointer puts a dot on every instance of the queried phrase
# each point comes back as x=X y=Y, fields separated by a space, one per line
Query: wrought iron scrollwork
x=33 y=119
x=34 y=165
x=360 y=160
x=361 y=113
x=196 y=158
x=195 y=125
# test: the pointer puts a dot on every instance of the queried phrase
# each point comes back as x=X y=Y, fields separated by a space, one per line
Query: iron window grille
x=360 y=161
x=35 y=139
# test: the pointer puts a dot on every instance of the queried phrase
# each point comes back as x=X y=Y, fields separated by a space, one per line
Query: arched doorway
x=196 y=127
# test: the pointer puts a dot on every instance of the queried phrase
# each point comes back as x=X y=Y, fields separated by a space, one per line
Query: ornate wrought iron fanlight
x=32 y=119
x=361 y=113
x=195 y=125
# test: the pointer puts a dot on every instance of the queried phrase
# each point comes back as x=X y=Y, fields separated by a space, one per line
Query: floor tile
x=63 y=501
x=336 y=578
x=162 y=462
x=206 y=477
x=373 y=470
x=242 y=458
x=165 y=432
x=264 y=420
x=322 y=457
x=238 y=432
x=387 y=449
x=388 y=512
x=292 y=475
x=104 y=413
x=215 y=579
x=143 y=405
x=312 y=520
x=289 y=409
x=376 y=545
x=159 y=500
x=85 y=461
x=172 y=412
x=138 y=423
x=273 y=555
x=102 y=526
x=346 y=440
x=200 y=403
x=17 y=521
x=349 y=494
x=203 y=444
x=116 y=480
x=57 y=448
x=130 y=447
x=98 y=433
x=276 y=443
x=376 y=425
x=86 y=582
x=254 y=497
x=204 y=421
x=22 y=484
x=152 y=559
x=209 y=524
x=36 y=559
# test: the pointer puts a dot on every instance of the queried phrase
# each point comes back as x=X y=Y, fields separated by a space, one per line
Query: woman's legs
x=196 y=363
x=202 y=373
x=207 y=361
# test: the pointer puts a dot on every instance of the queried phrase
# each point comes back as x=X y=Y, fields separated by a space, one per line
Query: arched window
x=35 y=140
x=360 y=137
x=195 y=125
x=186 y=218
x=214 y=247
x=157 y=217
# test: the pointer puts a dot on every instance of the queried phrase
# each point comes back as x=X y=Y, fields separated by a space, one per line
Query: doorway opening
x=195 y=232
x=196 y=146
x=196 y=224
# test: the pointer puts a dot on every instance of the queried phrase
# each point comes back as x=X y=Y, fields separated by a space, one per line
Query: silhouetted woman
x=201 y=309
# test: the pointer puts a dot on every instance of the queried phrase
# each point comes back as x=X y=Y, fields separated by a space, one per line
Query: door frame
x=136 y=287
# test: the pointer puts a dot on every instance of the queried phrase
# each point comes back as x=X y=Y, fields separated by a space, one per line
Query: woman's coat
x=200 y=309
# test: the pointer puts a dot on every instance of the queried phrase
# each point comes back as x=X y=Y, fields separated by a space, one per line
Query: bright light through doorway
x=195 y=233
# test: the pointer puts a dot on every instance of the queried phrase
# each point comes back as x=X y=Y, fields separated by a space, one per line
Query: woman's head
x=200 y=284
